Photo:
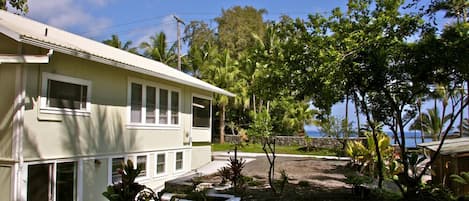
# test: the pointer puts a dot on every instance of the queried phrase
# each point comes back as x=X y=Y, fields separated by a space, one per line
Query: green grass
x=257 y=148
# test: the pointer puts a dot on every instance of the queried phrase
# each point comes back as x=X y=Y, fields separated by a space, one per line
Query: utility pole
x=178 y=20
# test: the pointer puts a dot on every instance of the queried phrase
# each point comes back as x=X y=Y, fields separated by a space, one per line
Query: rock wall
x=324 y=142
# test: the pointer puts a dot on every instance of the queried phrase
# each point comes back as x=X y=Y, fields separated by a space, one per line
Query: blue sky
x=98 y=19
x=138 y=20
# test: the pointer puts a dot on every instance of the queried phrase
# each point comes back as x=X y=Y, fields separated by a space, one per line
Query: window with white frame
x=142 y=165
x=153 y=105
x=65 y=94
x=201 y=109
x=160 y=163
x=179 y=160
x=116 y=168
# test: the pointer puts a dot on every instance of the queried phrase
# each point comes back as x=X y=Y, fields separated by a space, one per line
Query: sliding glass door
x=52 y=182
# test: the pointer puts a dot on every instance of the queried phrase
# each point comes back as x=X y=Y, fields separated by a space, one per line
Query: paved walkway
x=220 y=159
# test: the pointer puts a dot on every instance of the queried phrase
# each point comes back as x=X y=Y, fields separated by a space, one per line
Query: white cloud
x=69 y=15
x=168 y=25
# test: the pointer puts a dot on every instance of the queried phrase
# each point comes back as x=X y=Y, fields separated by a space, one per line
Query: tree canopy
x=19 y=5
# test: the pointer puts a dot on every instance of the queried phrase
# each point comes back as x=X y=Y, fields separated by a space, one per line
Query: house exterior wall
x=92 y=140
x=7 y=99
x=73 y=135
x=201 y=155
x=5 y=178
x=7 y=109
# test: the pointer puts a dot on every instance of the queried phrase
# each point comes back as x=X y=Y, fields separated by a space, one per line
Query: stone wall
x=324 y=142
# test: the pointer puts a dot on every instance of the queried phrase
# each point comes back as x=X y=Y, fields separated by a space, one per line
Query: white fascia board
x=29 y=59
x=9 y=33
x=92 y=57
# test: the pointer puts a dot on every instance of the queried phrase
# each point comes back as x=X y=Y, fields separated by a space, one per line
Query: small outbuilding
x=453 y=159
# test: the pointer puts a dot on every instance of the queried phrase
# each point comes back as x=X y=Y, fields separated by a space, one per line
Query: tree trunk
x=461 y=119
x=380 y=160
x=357 y=112
x=346 y=115
x=222 y=124
x=378 y=152
x=420 y=117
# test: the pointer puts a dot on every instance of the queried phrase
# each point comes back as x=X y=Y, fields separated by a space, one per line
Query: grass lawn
x=257 y=148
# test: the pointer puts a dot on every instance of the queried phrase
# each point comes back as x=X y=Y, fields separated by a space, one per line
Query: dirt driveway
x=321 y=173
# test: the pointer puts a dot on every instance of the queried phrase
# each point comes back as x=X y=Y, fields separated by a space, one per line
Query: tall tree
x=198 y=33
x=236 y=25
x=431 y=123
x=19 y=5
x=223 y=72
x=157 y=48
x=458 y=9
x=198 y=59
x=117 y=43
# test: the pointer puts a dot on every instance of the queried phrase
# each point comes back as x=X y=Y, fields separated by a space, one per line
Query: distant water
x=411 y=137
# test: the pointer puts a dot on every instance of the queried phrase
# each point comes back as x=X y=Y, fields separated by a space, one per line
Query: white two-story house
x=73 y=109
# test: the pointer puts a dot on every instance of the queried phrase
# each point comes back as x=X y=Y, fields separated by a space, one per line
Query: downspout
x=18 y=125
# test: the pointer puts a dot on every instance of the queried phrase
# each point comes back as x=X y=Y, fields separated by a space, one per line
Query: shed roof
x=450 y=146
x=31 y=32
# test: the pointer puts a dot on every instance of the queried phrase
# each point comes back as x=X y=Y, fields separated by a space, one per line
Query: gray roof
x=450 y=146
x=31 y=32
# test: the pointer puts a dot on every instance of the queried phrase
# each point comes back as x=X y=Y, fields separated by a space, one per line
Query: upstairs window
x=63 y=94
x=153 y=105
x=201 y=112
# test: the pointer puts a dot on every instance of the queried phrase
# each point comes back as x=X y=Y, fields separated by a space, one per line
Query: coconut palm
x=224 y=73
x=453 y=9
x=198 y=59
x=117 y=43
x=158 y=49
x=431 y=123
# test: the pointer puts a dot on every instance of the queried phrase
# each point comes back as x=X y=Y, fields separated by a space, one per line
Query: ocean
x=412 y=138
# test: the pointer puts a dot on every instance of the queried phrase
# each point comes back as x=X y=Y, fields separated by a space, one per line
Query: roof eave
x=89 y=56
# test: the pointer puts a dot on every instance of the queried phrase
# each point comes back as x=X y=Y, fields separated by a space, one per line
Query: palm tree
x=117 y=43
x=224 y=73
x=431 y=123
x=158 y=49
x=453 y=8
x=198 y=59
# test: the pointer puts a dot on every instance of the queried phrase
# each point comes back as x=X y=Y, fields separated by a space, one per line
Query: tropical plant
x=290 y=116
x=128 y=189
x=157 y=49
x=198 y=59
x=117 y=43
x=431 y=123
x=366 y=156
x=462 y=178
